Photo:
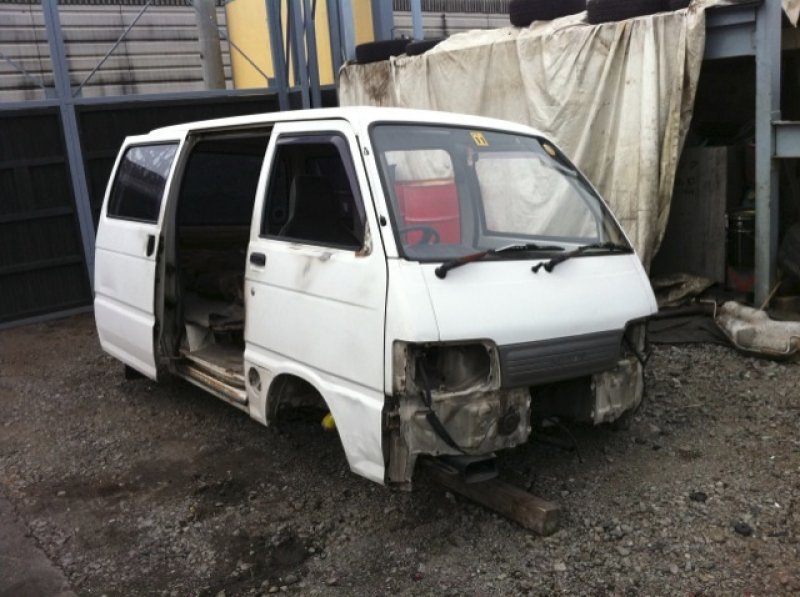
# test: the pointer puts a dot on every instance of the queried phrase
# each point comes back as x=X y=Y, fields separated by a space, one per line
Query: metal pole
x=288 y=47
x=768 y=95
x=278 y=55
x=205 y=12
x=347 y=29
x=416 y=19
x=299 y=52
x=336 y=40
x=311 y=45
x=69 y=122
x=382 y=19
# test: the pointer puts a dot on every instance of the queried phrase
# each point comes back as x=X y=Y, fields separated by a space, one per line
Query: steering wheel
x=429 y=234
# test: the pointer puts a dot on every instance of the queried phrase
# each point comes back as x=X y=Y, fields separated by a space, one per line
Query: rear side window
x=139 y=185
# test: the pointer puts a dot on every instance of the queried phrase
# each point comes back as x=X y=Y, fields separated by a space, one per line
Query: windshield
x=455 y=191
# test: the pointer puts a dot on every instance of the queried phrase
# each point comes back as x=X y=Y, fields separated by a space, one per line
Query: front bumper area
x=479 y=423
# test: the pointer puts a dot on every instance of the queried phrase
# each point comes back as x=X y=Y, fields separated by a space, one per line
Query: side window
x=313 y=193
x=139 y=185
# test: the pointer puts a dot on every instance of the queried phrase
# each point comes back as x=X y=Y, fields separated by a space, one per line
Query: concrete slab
x=24 y=569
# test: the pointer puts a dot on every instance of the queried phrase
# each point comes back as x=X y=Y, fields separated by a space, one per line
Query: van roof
x=357 y=115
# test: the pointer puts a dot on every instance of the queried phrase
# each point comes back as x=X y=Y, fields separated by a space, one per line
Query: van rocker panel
x=546 y=361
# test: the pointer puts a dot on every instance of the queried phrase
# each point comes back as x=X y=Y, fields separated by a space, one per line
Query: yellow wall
x=247 y=28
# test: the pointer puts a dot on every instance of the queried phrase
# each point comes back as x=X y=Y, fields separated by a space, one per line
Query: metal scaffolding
x=756 y=31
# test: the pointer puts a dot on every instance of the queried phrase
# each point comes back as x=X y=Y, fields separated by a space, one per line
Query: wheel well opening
x=292 y=397
x=296 y=406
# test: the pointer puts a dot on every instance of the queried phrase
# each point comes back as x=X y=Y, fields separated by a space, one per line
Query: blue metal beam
x=416 y=19
x=347 y=30
x=382 y=19
x=787 y=139
x=298 y=45
x=310 y=30
x=278 y=55
x=730 y=32
x=768 y=95
x=72 y=140
x=334 y=26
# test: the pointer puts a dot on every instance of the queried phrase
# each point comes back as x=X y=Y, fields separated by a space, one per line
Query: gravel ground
x=134 y=488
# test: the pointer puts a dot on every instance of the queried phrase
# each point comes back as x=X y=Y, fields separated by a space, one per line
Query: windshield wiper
x=441 y=271
x=550 y=264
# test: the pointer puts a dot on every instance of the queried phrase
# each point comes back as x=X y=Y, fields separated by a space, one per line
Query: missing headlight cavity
x=454 y=368
x=634 y=341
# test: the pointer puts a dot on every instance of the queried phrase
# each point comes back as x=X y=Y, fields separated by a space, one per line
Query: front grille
x=546 y=361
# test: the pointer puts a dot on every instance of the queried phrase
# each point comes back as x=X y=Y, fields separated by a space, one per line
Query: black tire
x=525 y=12
x=677 y=4
x=375 y=51
x=415 y=48
x=606 y=11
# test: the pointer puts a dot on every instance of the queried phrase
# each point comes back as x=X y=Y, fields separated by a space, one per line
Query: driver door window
x=312 y=196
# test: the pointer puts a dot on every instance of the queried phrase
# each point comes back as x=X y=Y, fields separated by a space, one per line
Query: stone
x=743 y=529
x=688 y=453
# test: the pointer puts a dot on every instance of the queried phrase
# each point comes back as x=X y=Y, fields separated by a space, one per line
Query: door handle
x=151 y=244
x=258 y=259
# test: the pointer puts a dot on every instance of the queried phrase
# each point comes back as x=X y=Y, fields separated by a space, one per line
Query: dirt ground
x=137 y=488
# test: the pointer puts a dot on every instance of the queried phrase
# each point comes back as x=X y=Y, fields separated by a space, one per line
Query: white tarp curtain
x=617 y=97
x=792 y=10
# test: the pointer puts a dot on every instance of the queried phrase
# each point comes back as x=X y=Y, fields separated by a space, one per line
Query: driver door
x=316 y=273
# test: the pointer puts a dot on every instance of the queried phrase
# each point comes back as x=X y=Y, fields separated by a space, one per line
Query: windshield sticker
x=479 y=139
x=551 y=151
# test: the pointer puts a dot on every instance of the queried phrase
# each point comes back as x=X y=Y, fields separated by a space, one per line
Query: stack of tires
x=376 y=51
x=524 y=12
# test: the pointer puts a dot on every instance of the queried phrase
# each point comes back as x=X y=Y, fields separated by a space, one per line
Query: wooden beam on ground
x=533 y=513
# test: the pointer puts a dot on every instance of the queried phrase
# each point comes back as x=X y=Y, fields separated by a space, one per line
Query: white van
x=433 y=280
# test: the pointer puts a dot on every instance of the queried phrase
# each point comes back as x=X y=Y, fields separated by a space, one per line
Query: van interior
x=211 y=234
